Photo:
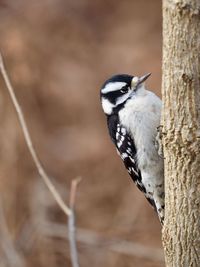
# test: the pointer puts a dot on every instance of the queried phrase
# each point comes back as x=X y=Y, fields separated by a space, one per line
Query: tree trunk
x=181 y=131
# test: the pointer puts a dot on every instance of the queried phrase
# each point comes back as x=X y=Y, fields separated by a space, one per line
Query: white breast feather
x=141 y=117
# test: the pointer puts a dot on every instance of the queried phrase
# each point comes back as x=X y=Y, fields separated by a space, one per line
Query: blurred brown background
x=58 y=53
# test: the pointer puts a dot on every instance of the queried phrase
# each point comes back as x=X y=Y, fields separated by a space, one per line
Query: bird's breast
x=141 y=117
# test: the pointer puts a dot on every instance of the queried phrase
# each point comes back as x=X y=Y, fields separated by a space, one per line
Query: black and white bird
x=133 y=116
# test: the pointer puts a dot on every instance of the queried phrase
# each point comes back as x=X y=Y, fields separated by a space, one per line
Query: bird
x=133 y=118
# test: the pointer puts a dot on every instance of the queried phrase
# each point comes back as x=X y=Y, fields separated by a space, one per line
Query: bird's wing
x=125 y=148
x=127 y=151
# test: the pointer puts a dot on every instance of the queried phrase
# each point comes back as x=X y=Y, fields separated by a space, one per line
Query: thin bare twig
x=71 y=223
x=73 y=191
x=68 y=211
x=29 y=143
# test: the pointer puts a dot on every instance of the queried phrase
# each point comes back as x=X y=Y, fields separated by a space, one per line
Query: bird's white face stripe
x=112 y=86
x=123 y=98
x=107 y=106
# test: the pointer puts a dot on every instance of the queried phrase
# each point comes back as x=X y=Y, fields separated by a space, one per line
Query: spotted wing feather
x=125 y=147
x=127 y=151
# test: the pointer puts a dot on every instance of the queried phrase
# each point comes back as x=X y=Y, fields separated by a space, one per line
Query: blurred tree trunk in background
x=181 y=131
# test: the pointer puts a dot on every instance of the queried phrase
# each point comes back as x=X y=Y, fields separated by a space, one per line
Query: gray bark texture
x=181 y=132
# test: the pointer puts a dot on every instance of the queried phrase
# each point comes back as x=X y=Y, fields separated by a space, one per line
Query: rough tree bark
x=181 y=131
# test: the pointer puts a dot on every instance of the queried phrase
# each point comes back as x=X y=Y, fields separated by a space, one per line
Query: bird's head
x=118 y=89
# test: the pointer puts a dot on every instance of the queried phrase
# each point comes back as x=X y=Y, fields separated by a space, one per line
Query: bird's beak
x=138 y=80
x=143 y=78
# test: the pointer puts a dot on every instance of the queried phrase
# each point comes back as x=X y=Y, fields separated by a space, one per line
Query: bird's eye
x=124 y=89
